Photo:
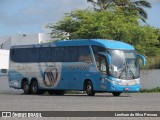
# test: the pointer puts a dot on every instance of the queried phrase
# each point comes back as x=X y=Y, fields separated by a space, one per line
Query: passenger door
x=104 y=70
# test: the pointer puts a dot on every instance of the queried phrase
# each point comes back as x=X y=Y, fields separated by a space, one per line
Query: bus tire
x=34 y=87
x=116 y=93
x=26 y=87
x=89 y=89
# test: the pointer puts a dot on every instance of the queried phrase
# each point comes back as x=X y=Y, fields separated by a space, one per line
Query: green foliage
x=87 y=24
x=92 y=24
x=127 y=6
x=153 y=62
x=154 y=90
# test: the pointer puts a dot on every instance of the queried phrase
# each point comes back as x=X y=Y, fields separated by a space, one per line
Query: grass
x=152 y=63
x=154 y=90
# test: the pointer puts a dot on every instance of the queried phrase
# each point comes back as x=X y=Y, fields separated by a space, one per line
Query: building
x=19 y=39
x=23 y=39
x=4 y=64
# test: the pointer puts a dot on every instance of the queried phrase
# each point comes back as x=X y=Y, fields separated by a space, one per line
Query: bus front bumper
x=113 y=87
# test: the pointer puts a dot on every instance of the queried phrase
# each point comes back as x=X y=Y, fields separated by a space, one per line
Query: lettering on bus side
x=77 y=67
x=50 y=76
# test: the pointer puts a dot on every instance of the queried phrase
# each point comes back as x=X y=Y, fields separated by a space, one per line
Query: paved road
x=104 y=102
x=15 y=100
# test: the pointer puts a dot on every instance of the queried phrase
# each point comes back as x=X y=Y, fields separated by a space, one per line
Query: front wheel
x=89 y=89
x=34 y=87
x=116 y=93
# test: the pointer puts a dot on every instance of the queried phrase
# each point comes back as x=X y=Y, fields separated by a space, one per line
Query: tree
x=102 y=4
x=92 y=24
x=126 y=6
x=87 y=24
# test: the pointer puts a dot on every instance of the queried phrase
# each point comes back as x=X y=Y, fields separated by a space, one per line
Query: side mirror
x=142 y=58
x=109 y=60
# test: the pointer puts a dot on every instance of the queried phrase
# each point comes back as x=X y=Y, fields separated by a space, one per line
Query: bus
x=91 y=65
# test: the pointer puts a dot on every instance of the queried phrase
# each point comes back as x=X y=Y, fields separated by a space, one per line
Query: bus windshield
x=124 y=64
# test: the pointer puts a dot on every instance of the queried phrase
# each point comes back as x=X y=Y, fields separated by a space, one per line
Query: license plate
x=126 y=89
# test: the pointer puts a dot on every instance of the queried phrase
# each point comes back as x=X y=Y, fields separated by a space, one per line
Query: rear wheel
x=89 y=89
x=116 y=93
x=26 y=87
x=34 y=87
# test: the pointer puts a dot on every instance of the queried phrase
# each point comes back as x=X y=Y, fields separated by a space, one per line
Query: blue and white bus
x=93 y=65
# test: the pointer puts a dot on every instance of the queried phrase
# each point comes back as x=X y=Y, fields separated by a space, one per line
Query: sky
x=31 y=16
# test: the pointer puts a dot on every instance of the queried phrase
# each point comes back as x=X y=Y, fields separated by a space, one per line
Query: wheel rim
x=25 y=87
x=34 y=88
x=89 y=88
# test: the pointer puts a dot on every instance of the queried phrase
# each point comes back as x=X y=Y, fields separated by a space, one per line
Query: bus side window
x=45 y=55
x=58 y=54
x=71 y=54
x=19 y=55
x=96 y=50
x=33 y=54
x=84 y=54
x=12 y=54
x=102 y=64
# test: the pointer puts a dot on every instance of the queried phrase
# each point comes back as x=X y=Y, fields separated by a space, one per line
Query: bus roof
x=110 y=44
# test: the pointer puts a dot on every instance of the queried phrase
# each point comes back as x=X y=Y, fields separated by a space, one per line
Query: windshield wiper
x=126 y=67
x=131 y=71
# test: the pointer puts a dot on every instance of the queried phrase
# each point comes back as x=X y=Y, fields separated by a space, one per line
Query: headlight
x=137 y=81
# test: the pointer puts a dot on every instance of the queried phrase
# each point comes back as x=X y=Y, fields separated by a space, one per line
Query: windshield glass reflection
x=124 y=64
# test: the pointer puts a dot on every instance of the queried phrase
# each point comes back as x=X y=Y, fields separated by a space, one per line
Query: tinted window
x=45 y=55
x=33 y=55
x=97 y=49
x=58 y=54
x=102 y=66
x=71 y=54
x=18 y=55
x=84 y=54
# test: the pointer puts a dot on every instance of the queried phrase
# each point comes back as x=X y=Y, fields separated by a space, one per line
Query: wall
x=4 y=61
x=150 y=79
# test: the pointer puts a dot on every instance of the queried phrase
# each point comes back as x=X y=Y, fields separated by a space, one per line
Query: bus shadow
x=79 y=95
x=98 y=95
x=70 y=95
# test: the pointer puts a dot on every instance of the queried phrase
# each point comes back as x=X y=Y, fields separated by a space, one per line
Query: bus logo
x=50 y=76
